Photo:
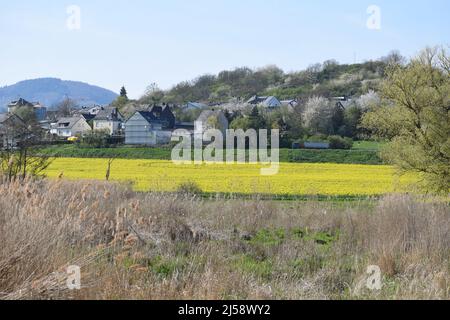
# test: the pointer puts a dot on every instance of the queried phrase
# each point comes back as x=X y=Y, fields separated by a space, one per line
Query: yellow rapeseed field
x=293 y=178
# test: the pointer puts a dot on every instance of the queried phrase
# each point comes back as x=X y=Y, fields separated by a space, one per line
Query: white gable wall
x=80 y=128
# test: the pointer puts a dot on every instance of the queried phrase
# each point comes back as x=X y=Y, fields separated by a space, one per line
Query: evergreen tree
x=123 y=92
x=256 y=120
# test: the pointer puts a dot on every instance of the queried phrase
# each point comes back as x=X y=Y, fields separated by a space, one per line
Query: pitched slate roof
x=196 y=105
x=185 y=125
x=7 y=119
x=270 y=101
x=3 y=117
x=67 y=123
x=159 y=115
x=256 y=100
x=6 y=116
x=87 y=116
x=108 y=114
x=20 y=103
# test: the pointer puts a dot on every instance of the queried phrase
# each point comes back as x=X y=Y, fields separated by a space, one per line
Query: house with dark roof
x=87 y=112
x=108 y=119
x=14 y=105
x=151 y=127
x=39 y=110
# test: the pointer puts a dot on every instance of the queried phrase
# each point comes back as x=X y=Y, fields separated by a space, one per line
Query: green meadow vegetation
x=364 y=153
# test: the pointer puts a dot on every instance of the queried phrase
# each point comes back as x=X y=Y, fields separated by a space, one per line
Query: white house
x=153 y=127
x=69 y=127
x=108 y=119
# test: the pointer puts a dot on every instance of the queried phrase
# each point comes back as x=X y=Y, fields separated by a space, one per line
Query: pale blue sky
x=137 y=42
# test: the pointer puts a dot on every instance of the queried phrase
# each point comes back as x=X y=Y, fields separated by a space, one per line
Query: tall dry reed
x=154 y=246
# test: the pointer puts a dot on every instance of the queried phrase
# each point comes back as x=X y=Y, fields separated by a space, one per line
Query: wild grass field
x=293 y=179
x=172 y=246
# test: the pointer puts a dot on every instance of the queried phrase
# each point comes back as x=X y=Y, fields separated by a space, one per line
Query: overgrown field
x=292 y=179
x=153 y=246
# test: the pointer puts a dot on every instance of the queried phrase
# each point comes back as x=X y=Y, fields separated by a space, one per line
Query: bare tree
x=108 y=169
x=20 y=156
x=65 y=107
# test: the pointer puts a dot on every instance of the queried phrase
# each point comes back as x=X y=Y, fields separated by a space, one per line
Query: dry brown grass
x=154 y=246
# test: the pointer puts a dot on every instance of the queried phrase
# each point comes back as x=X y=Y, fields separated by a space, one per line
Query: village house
x=14 y=105
x=291 y=103
x=270 y=102
x=194 y=106
x=12 y=128
x=87 y=112
x=152 y=127
x=109 y=119
x=39 y=110
x=70 y=127
x=213 y=119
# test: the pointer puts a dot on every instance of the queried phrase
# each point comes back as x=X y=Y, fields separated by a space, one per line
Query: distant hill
x=51 y=91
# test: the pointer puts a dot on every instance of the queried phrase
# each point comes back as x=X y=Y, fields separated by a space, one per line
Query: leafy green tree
x=240 y=123
x=120 y=102
x=187 y=115
x=415 y=116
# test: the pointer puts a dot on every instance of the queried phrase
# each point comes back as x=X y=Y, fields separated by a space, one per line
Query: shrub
x=96 y=139
x=337 y=142
x=317 y=138
x=190 y=188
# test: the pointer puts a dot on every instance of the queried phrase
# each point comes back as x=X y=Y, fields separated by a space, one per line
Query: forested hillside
x=323 y=79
